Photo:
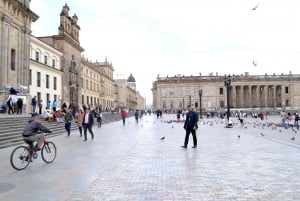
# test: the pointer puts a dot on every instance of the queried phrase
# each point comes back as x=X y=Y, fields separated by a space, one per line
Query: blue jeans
x=33 y=108
x=68 y=127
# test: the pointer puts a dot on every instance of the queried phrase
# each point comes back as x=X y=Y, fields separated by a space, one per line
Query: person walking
x=79 y=119
x=99 y=118
x=48 y=105
x=136 y=114
x=20 y=105
x=54 y=105
x=88 y=121
x=123 y=115
x=10 y=106
x=190 y=125
x=40 y=105
x=33 y=104
x=68 y=119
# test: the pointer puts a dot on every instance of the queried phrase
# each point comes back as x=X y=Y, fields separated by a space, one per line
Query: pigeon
x=293 y=138
x=162 y=138
x=262 y=134
x=239 y=136
x=172 y=126
x=255 y=7
x=279 y=130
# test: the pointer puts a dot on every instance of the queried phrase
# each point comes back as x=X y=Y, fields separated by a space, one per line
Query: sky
x=170 y=37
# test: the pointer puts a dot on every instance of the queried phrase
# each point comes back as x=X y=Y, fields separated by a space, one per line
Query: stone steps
x=13 y=125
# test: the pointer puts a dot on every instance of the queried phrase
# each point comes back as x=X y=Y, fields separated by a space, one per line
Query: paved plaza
x=132 y=163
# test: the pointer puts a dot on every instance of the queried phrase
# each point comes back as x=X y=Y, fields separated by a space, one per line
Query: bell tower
x=68 y=25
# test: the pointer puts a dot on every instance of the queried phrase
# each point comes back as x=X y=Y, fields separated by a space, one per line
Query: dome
x=131 y=78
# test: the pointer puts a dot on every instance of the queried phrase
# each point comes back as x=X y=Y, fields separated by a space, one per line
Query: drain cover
x=4 y=187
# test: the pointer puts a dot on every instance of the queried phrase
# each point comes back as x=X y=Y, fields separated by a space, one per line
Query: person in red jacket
x=123 y=115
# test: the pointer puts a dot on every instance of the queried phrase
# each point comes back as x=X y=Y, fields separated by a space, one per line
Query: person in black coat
x=190 y=125
x=87 y=122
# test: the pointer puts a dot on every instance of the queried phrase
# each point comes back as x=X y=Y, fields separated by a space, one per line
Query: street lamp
x=200 y=105
x=227 y=82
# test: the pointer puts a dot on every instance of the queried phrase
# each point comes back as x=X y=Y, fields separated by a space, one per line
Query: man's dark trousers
x=68 y=127
x=87 y=127
x=187 y=135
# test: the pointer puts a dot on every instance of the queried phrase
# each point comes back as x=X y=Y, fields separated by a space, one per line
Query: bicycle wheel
x=20 y=157
x=48 y=152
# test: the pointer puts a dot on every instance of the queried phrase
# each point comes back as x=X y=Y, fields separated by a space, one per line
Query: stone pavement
x=132 y=163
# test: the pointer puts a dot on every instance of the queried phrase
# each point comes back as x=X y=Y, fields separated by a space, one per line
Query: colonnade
x=253 y=96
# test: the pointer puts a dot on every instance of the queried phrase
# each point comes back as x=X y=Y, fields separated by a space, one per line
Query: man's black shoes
x=184 y=147
x=194 y=147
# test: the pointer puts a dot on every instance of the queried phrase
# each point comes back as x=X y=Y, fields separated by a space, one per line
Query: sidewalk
x=132 y=163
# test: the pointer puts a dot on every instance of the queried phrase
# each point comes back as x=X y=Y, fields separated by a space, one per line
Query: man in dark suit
x=190 y=125
x=88 y=121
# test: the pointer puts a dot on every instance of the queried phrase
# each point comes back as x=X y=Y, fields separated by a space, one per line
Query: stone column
x=242 y=96
x=282 y=97
x=258 y=98
x=266 y=95
x=233 y=88
x=250 y=96
x=274 y=96
x=4 y=52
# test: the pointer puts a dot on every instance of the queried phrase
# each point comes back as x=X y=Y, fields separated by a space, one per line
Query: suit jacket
x=91 y=119
x=191 y=120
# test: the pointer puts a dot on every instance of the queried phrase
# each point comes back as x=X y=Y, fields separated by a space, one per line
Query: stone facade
x=126 y=96
x=246 y=91
x=45 y=74
x=67 y=41
x=15 y=28
x=97 y=84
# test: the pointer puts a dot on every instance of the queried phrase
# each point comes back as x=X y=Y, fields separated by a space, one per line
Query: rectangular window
x=286 y=90
x=171 y=91
x=37 y=56
x=187 y=91
x=13 y=60
x=180 y=105
x=163 y=92
x=30 y=77
x=45 y=59
x=55 y=97
x=87 y=100
x=82 y=99
x=196 y=91
x=179 y=91
x=172 y=105
x=196 y=105
x=164 y=105
x=38 y=77
x=54 y=83
x=38 y=96
x=92 y=100
x=53 y=63
x=47 y=98
x=47 y=81
x=287 y=103
x=221 y=91
x=221 y=103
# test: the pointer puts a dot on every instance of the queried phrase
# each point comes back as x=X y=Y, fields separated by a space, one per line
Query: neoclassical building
x=67 y=42
x=15 y=28
x=97 y=83
x=245 y=91
x=126 y=95
x=45 y=73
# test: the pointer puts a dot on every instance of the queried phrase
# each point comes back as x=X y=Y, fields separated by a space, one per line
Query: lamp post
x=200 y=105
x=227 y=82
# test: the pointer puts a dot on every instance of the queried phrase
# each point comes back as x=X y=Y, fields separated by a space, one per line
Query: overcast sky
x=169 y=37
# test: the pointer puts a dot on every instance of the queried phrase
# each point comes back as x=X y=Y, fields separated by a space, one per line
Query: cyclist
x=30 y=132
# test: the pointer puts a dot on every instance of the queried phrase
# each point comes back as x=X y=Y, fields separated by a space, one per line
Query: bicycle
x=22 y=155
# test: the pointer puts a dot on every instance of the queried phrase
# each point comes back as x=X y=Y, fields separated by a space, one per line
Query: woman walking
x=79 y=121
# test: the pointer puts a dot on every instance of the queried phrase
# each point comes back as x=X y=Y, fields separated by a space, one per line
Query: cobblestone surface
x=132 y=163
